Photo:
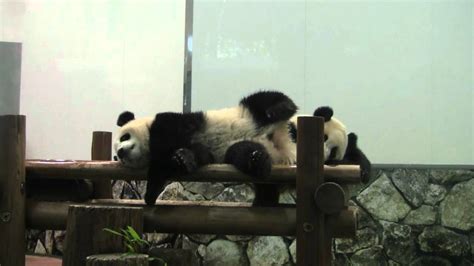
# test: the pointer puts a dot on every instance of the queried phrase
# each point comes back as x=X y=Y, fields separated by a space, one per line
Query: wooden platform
x=32 y=260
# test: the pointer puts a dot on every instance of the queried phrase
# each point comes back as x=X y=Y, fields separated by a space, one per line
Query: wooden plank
x=97 y=170
x=12 y=192
x=312 y=239
x=117 y=260
x=85 y=235
x=227 y=218
x=102 y=151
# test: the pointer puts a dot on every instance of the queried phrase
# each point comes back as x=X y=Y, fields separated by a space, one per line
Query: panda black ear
x=124 y=118
x=324 y=111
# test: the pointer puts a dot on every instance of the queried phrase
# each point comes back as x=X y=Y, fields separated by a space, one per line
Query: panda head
x=131 y=140
x=335 y=134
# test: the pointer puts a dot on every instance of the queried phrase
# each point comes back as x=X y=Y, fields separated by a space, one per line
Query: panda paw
x=259 y=164
x=184 y=161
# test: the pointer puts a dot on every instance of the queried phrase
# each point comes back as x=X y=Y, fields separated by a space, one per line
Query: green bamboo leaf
x=133 y=233
x=113 y=232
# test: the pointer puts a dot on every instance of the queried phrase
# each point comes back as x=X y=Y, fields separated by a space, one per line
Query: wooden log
x=12 y=190
x=343 y=224
x=214 y=217
x=330 y=198
x=102 y=151
x=96 y=170
x=85 y=235
x=117 y=260
x=314 y=245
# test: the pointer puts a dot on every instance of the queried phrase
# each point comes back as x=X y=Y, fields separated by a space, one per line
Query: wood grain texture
x=12 y=194
x=99 y=170
x=85 y=235
x=117 y=260
x=102 y=151
x=312 y=239
x=330 y=198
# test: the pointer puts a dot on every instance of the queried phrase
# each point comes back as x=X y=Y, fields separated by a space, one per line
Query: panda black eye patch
x=125 y=137
x=325 y=137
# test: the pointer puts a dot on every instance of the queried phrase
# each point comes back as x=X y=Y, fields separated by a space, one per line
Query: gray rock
x=202 y=250
x=49 y=241
x=413 y=185
x=158 y=238
x=465 y=262
x=286 y=196
x=176 y=191
x=364 y=219
x=203 y=239
x=239 y=193
x=206 y=189
x=293 y=251
x=369 y=257
x=434 y=194
x=189 y=245
x=224 y=252
x=268 y=250
x=239 y=238
x=399 y=242
x=175 y=257
x=393 y=263
x=365 y=238
x=40 y=249
x=383 y=201
x=59 y=240
x=430 y=260
x=471 y=240
x=425 y=215
x=457 y=209
x=442 y=241
x=450 y=176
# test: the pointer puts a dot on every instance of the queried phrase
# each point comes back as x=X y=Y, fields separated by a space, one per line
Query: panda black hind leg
x=269 y=107
x=253 y=159
x=249 y=157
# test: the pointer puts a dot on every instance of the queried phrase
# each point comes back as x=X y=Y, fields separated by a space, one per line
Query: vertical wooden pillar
x=102 y=151
x=12 y=192
x=85 y=235
x=313 y=246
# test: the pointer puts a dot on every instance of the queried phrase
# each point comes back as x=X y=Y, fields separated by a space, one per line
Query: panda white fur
x=335 y=133
x=250 y=136
x=339 y=146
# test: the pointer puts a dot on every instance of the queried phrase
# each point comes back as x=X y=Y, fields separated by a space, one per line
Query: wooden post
x=117 y=260
x=85 y=235
x=12 y=190
x=102 y=151
x=313 y=246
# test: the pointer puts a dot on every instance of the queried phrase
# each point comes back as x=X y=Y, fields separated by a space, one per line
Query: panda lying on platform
x=339 y=147
x=251 y=137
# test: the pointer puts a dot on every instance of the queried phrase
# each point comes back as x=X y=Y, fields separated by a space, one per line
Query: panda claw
x=184 y=161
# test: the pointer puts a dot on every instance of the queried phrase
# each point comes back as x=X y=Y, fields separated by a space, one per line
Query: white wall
x=84 y=62
x=399 y=73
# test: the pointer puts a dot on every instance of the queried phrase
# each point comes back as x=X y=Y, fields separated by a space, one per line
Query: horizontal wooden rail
x=196 y=217
x=98 y=170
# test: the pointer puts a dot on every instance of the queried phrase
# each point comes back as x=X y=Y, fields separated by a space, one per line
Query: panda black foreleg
x=249 y=157
x=155 y=183
x=268 y=107
x=354 y=155
x=187 y=160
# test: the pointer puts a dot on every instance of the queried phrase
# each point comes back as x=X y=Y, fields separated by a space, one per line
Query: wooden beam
x=117 y=259
x=85 y=233
x=194 y=217
x=12 y=190
x=102 y=151
x=97 y=170
x=312 y=240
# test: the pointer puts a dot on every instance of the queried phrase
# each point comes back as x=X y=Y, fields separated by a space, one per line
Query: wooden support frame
x=313 y=223
x=12 y=190
x=102 y=151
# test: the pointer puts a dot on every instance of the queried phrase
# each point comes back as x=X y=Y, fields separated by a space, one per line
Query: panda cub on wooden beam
x=339 y=147
x=251 y=136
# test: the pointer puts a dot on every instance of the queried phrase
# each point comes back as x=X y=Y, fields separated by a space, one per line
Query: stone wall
x=408 y=217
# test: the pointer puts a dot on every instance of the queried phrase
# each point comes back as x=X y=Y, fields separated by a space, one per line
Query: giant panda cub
x=179 y=143
x=339 y=147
